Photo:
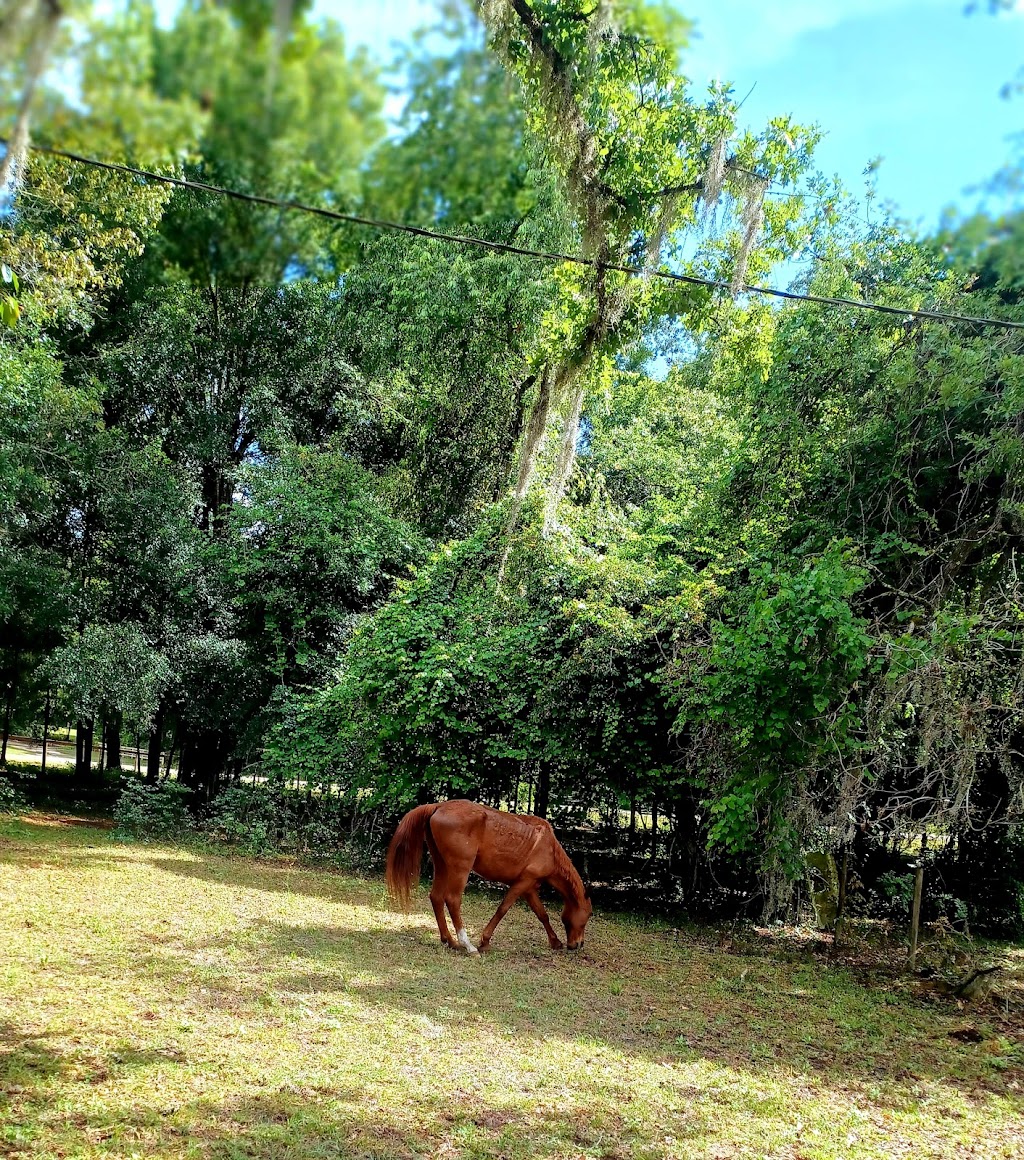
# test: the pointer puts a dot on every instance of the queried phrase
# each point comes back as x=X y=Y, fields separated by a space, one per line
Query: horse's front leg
x=535 y=904
x=515 y=891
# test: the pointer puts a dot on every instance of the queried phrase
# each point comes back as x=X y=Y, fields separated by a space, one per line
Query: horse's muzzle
x=576 y=946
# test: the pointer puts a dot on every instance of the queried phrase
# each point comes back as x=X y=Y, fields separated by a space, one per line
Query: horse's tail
x=405 y=854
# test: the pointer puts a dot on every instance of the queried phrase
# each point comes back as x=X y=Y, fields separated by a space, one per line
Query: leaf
x=10 y=311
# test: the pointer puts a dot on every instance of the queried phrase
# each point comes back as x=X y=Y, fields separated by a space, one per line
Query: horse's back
x=498 y=846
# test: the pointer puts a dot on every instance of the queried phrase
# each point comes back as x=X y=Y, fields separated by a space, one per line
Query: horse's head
x=575 y=916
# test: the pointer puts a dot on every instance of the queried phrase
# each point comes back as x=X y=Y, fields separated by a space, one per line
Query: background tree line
x=335 y=522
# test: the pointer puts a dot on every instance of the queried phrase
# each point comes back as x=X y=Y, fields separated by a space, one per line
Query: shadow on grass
x=282 y=877
x=632 y=990
x=342 y=1123
x=279 y=1125
x=25 y=1060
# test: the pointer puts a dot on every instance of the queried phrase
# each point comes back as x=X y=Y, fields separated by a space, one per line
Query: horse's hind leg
x=437 y=902
x=437 y=893
x=453 y=897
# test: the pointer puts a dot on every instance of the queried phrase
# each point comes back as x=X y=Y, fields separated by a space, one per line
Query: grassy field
x=159 y=1003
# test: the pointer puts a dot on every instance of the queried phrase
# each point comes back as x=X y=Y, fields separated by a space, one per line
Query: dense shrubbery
x=12 y=801
x=153 y=811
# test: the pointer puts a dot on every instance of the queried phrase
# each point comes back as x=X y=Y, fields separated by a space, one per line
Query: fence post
x=915 y=915
x=841 y=904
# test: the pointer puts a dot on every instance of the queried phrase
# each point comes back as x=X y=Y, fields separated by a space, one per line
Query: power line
x=521 y=251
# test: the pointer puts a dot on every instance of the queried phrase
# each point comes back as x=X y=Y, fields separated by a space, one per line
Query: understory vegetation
x=303 y=523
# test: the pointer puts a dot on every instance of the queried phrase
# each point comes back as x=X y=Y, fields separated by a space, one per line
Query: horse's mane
x=568 y=871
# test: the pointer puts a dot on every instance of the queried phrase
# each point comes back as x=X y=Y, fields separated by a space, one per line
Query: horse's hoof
x=464 y=942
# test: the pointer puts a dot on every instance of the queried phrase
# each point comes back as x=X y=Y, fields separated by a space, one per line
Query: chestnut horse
x=517 y=849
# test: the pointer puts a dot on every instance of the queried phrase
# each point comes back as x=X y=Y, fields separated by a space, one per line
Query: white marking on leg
x=465 y=943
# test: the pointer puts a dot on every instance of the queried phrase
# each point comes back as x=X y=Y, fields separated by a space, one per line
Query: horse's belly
x=497 y=869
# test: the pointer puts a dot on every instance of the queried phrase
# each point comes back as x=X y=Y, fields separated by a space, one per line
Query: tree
x=587 y=72
x=292 y=117
x=462 y=158
x=442 y=338
x=222 y=376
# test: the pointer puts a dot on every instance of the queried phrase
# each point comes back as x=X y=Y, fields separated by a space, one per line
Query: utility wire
x=521 y=251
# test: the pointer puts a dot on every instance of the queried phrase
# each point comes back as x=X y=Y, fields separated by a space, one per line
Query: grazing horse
x=517 y=849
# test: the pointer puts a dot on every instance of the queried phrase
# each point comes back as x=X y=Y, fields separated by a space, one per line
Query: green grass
x=159 y=1003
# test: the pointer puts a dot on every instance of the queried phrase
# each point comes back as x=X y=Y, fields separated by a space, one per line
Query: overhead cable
x=903 y=312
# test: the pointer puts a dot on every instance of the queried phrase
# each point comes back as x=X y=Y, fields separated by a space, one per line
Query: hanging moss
x=823 y=878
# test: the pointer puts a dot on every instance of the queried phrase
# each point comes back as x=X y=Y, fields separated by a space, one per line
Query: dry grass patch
x=159 y=1003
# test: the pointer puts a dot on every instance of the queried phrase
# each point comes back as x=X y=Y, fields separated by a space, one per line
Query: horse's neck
x=565 y=878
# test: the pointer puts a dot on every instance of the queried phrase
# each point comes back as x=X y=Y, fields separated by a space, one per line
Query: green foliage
x=216 y=374
x=454 y=689
x=462 y=157
x=12 y=801
x=270 y=818
x=767 y=701
x=294 y=121
x=10 y=308
x=312 y=547
x=108 y=669
x=255 y=471
x=444 y=338
x=252 y=818
x=152 y=811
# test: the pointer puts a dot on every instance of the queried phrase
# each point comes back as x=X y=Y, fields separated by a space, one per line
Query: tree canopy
x=365 y=518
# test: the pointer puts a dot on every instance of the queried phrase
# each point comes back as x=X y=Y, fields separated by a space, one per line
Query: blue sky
x=913 y=81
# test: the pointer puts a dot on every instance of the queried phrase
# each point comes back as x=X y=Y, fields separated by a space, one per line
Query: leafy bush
x=152 y=811
x=271 y=818
x=12 y=801
x=257 y=819
x=895 y=893
x=765 y=702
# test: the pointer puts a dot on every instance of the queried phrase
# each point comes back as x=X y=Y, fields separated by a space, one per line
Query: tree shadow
x=26 y=1061
x=335 y=1122
x=633 y=996
x=659 y=1001
x=282 y=877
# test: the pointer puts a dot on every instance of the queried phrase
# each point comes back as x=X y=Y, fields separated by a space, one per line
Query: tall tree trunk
x=156 y=739
x=543 y=790
x=46 y=730
x=8 y=707
x=113 y=741
x=83 y=744
x=654 y=829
